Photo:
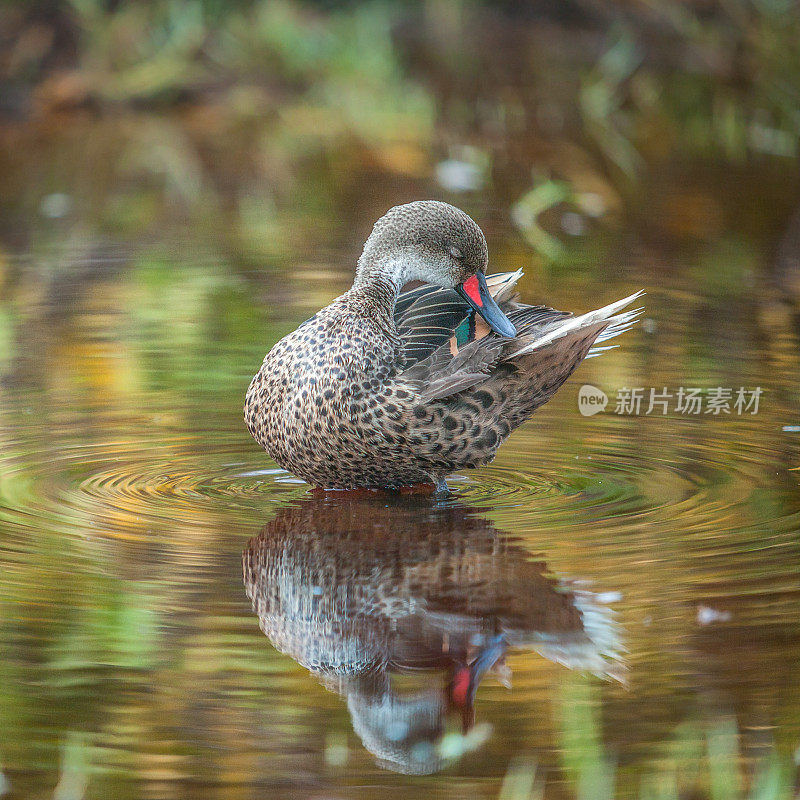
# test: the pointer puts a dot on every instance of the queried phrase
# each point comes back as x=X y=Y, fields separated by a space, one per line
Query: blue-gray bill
x=475 y=291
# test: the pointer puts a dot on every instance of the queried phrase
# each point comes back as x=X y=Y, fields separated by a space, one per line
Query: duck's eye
x=456 y=253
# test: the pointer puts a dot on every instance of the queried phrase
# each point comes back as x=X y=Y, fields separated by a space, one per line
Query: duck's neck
x=377 y=287
x=396 y=271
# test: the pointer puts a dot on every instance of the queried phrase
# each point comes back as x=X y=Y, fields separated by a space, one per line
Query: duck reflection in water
x=361 y=590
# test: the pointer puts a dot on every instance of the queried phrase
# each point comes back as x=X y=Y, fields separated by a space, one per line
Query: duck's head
x=436 y=243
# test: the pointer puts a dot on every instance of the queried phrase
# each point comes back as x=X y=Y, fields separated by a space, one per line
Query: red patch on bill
x=460 y=685
x=473 y=290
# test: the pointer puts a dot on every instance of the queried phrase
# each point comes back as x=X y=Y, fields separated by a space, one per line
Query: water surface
x=628 y=583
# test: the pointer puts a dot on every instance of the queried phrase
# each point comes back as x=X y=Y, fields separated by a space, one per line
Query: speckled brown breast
x=327 y=406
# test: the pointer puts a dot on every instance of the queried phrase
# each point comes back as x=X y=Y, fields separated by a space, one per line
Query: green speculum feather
x=465 y=332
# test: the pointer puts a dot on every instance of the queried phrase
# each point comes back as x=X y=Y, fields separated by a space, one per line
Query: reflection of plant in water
x=290 y=111
x=546 y=196
x=702 y=759
x=729 y=85
x=278 y=104
x=602 y=97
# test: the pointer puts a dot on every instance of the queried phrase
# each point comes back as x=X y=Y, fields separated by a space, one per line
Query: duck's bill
x=475 y=291
x=464 y=685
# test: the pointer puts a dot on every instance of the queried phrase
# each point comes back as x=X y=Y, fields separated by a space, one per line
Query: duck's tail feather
x=502 y=284
x=604 y=323
x=546 y=353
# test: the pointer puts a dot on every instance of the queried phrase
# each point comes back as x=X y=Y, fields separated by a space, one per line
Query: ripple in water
x=127 y=482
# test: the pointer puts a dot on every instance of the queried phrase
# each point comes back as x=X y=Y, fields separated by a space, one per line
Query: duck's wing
x=429 y=316
x=447 y=347
x=469 y=354
x=548 y=346
x=565 y=329
x=427 y=320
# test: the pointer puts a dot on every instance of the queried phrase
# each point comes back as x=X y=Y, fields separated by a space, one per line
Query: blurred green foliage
x=225 y=111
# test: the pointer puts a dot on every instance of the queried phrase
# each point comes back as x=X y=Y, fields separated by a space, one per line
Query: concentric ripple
x=136 y=481
x=704 y=485
x=117 y=485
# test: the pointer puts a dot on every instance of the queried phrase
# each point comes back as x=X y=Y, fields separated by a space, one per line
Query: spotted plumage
x=385 y=388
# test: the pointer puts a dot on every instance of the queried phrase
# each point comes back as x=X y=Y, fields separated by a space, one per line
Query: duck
x=362 y=589
x=394 y=386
